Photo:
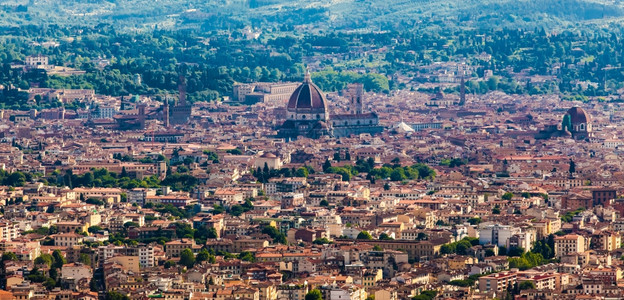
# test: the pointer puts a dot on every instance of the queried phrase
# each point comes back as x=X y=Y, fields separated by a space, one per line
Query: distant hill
x=318 y=15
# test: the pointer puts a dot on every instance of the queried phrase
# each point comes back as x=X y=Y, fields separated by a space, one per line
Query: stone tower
x=356 y=95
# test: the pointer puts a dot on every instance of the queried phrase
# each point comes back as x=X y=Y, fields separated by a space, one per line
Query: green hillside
x=318 y=15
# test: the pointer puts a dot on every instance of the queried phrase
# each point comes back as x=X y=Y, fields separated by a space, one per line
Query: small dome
x=268 y=155
x=578 y=115
x=307 y=98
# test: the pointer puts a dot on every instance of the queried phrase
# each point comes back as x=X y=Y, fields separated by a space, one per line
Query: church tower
x=462 y=92
x=166 y=113
x=356 y=95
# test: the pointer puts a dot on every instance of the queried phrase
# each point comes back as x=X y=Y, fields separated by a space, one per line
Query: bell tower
x=356 y=95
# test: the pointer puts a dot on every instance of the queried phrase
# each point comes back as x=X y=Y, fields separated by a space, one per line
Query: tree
x=59 y=259
x=212 y=233
x=302 y=172
x=95 y=228
x=385 y=237
x=572 y=168
x=113 y=295
x=277 y=236
x=85 y=259
x=168 y=264
x=425 y=295
x=203 y=255
x=496 y=210
x=247 y=256
x=527 y=285
x=314 y=295
x=322 y=241
x=8 y=256
x=474 y=221
x=45 y=258
x=337 y=156
x=324 y=203
x=187 y=258
x=364 y=235
x=507 y=196
x=326 y=165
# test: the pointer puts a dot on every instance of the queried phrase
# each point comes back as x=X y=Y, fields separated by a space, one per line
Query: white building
x=146 y=256
x=36 y=61
x=107 y=111
x=497 y=234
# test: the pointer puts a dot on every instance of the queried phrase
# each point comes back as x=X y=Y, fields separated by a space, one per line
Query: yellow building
x=371 y=277
x=610 y=240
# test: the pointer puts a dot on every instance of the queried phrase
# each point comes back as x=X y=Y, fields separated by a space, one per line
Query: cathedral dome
x=307 y=99
x=578 y=115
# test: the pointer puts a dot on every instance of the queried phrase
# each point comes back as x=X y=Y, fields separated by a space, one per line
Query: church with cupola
x=308 y=114
x=576 y=124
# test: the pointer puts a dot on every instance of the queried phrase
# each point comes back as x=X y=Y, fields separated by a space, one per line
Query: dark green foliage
x=314 y=295
x=322 y=241
x=104 y=178
x=44 y=258
x=453 y=162
x=474 y=221
x=569 y=215
x=235 y=151
x=113 y=295
x=385 y=237
x=95 y=201
x=247 y=256
x=426 y=295
x=462 y=283
x=334 y=81
x=364 y=235
x=180 y=182
x=393 y=172
x=187 y=258
x=8 y=256
x=277 y=236
x=460 y=247
x=14 y=179
x=59 y=259
x=527 y=285
x=527 y=260
x=545 y=247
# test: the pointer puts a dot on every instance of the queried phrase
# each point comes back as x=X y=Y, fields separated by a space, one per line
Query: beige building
x=130 y=263
x=497 y=282
x=174 y=248
x=570 y=243
x=270 y=159
x=67 y=239
x=71 y=227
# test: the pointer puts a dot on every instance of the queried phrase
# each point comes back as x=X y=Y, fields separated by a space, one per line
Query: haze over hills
x=336 y=14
